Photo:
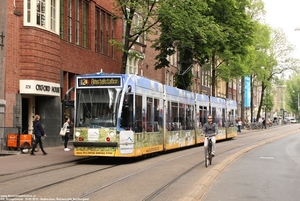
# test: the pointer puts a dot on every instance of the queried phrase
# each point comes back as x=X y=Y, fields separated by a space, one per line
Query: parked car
x=292 y=120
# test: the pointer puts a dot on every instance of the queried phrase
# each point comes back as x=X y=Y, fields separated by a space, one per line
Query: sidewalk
x=19 y=162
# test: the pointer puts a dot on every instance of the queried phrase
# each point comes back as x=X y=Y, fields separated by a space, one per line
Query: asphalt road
x=270 y=172
x=179 y=175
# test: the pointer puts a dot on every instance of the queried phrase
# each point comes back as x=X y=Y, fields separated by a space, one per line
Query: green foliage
x=139 y=17
x=293 y=93
x=268 y=102
x=200 y=29
x=185 y=28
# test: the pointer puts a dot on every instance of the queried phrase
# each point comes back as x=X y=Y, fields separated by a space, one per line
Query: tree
x=277 y=60
x=139 y=17
x=229 y=50
x=258 y=58
x=293 y=94
x=185 y=28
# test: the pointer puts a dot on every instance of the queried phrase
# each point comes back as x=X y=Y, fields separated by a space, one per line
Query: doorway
x=25 y=125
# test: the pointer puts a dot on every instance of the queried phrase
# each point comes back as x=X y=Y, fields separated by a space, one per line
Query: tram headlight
x=107 y=139
x=77 y=134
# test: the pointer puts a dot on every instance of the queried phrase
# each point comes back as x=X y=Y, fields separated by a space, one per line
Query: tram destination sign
x=98 y=81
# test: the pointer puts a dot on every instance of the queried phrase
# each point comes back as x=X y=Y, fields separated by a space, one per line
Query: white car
x=292 y=120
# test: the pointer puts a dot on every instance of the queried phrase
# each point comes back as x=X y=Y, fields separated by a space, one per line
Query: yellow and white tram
x=129 y=116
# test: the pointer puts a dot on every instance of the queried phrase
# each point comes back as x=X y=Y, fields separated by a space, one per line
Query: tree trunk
x=261 y=100
x=124 y=62
x=127 y=45
x=227 y=90
x=213 y=76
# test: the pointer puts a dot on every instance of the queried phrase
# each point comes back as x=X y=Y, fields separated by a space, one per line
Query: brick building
x=44 y=44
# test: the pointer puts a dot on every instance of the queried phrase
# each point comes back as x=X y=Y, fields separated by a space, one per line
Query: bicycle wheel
x=207 y=157
x=209 y=153
x=206 y=161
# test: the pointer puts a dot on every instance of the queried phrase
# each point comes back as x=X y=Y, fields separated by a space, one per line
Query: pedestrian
x=38 y=132
x=239 y=125
x=67 y=126
x=210 y=129
x=264 y=123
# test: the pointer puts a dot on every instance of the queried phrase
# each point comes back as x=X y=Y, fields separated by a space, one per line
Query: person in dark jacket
x=38 y=132
x=210 y=129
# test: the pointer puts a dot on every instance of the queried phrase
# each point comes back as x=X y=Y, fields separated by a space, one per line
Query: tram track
x=163 y=187
x=40 y=169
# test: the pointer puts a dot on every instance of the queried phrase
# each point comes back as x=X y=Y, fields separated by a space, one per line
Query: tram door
x=68 y=112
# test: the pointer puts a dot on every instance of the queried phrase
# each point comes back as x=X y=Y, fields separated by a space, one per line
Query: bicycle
x=209 y=156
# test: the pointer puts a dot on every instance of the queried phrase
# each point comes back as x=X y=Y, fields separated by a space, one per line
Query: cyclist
x=210 y=129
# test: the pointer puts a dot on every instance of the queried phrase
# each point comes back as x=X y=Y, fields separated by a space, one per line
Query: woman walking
x=38 y=132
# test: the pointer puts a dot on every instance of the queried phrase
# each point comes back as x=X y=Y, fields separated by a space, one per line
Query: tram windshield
x=97 y=107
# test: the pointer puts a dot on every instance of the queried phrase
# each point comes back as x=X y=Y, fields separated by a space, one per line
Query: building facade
x=44 y=45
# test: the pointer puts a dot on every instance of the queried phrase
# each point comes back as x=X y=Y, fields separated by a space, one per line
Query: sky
x=285 y=14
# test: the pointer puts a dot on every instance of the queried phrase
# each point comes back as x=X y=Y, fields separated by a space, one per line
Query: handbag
x=62 y=132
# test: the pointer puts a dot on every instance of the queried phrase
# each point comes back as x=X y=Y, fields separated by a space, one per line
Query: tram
x=126 y=115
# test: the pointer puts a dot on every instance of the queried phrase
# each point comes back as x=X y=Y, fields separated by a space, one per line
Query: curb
x=203 y=184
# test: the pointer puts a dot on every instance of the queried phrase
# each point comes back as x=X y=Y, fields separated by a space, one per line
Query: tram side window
x=214 y=114
x=169 y=117
x=127 y=112
x=189 y=117
x=202 y=116
x=175 y=125
x=149 y=115
x=182 y=116
x=157 y=121
x=138 y=114
x=231 y=118
x=223 y=117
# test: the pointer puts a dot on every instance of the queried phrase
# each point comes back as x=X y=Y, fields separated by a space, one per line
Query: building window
x=206 y=78
x=28 y=11
x=43 y=14
x=77 y=22
x=74 y=22
x=112 y=36
x=108 y=21
x=104 y=32
x=132 y=66
x=102 y=17
x=70 y=21
x=85 y=24
x=53 y=13
x=62 y=17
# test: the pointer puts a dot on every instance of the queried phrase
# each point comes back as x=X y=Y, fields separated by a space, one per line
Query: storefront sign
x=36 y=87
